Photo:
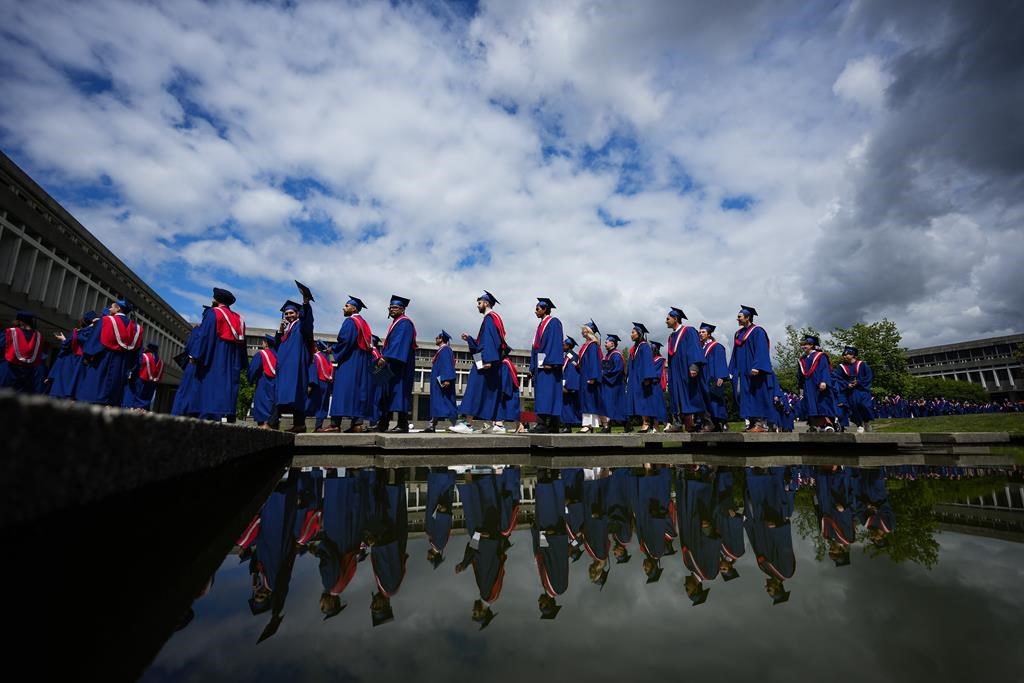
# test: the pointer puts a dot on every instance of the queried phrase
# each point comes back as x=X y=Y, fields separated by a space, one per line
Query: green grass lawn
x=985 y=422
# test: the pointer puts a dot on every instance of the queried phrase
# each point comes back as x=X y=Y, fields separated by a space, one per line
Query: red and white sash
x=23 y=348
x=269 y=363
x=539 y=335
x=230 y=325
x=709 y=346
x=364 y=336
x=324 y=368
x=741 y=335
x=673 y=342
x=387 y=337
x=808 y=371
x=856 y=368
x=152 y=369
x=498 y=323
x=118 y=333
x=512 y=369
x=583 y=350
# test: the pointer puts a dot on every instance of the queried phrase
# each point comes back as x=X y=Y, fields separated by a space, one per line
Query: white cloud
x=863 y=82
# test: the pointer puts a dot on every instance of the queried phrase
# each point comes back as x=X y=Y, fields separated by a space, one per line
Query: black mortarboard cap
x=223 y=296
x=545 y=302
x=852 y=350
x=445 y=336
x=89 y=316
x=321 y=345
x=699 y=596
x=810 y=339
x=485 y=619
x=152 y=347
x=748 y=311
x=550 y=612
x=708 y=327
x=259 y=607
x=488 y=297
x=780 y=597
x=356 y=301
x=181 y=360
x=655 y=575
x=306 y=292
x=730 y=574
x=656 y=344
x=291 y=304
x=677 y=313
x=842 y=559
x=25 y=316
x=640 y=327
x=603 y=578
x=613 y=338
x=592 y=325
x=399 y=301
x=335 y=610
x=382 y=616
x=570 y=341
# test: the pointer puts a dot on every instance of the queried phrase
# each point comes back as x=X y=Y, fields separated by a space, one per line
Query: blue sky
x=617 y=158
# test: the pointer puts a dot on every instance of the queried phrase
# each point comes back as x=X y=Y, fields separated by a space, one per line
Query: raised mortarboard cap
x=382 y=616
x=550 y=612
x=271 y=339
x=603 y=578
x=181 y=360
x=730 y=574
x=700 y=596
x=780 y=597
x=25 y=316
x=571 y=342
x=292 y=305
x=677 y=313
x=321 y=345
x=445 y=336
x=852 y=350
x=708 y=327
x=89 y=316
x=613 y=338
x=592 y=325
x=842 y=560
x=545 y=302
x=223 y=296
x=399 y=301
x=489 y=298
x=485 y=619
x=356 y=301
x=305 y=291
x=375 y=339
x=748 y=311
x=655 y=575
x=259 y=606
x=335 y=609
x=640 y=327
x=810 y=339
x=657 y=345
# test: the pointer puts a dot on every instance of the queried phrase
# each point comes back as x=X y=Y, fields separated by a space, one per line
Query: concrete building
x=424 y=356
x=992 y=363
x=52 y=265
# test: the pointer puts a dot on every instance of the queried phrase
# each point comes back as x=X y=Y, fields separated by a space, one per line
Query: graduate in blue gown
x=272 y=557
x=387 y=534
x=437 y=517
x=713 y=376
x=875 y=510
x=784 y=413
x=643 y=386
x=442 y=383
x=768 y=509
x=263 y=375
x=550 y=541
x=588 y=364
x=596 y=526
x=749 y=367
x=572 y=484
x=728 y=522
x=621 y=495
x=834 y=499
x=342 y=523
x=546 y=357
x=142 y=382
x=108 y=356
x=571 y=416
x=614 y=404
x=486 y=549
x=64 y=373
x=483 y=397
x=661 y=367
x=685 y=360
x=399 y=356
x=21 y=356
x=321 y=385
x=186 y=398
x=814 y=380
x=511 y=408
x=220 y=358
x=653 y=515
x=699 y=540
x=852 y=379
x=295 y=347
x=353 y=393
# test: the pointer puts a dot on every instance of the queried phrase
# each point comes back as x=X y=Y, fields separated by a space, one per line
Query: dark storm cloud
x=935 y=212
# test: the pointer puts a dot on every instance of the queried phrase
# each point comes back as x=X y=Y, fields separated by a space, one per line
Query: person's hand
x=822 y=386
x=693 y=373
x=591 y=381
x=281 y=326
x=485 y=366
x=446 y=384
x=719 y=382
x=755 y=372
x=647 y=382
x=465 y=337
x=60 y=336
x=381 y=362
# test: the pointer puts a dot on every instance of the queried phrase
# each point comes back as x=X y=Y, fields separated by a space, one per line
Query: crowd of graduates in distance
x=359 y=381
x=707 y=516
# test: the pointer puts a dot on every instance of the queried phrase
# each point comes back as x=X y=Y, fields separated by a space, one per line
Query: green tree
x=934 y=387
x=245 y=393
x=879 y=346
x=787 y=353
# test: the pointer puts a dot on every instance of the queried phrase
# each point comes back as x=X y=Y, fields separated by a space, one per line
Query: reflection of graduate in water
x=486 y=550
x=728 y=522
x=621 y=485
x=572 y=479
x=550 y=541
x=767 y=509
x=387 y=532
x=343 y=518
x=596 y=526
x=307 y=518
x=437 y=519
x=651 y=509
x=875 y=511
x=833 y=503
x=273 y=551
x=699 y=541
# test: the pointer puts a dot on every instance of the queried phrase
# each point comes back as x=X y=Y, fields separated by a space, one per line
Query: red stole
x=364 y=337
x=23 y=348
x=539 y=335
x=709 y=346
x=230 y=325
x=808 y=371
x=512 y=369
x=324 y=368
x=118 y=333
x=673 y=341
x=387 y=337
x=856 y=368
x=269 y=363
x=152 y=369
x=741 y=335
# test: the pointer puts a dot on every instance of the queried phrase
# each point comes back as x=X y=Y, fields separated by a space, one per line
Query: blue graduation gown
x=547 y=377
x=833 y=489
x=783 y=408
x=265 y=396
x=400 y=352
x=751 y=351
x=571 y=414
x=354 y=391
x=64 y=372
x=318 y=398
x=572 y=479
x=596 y=531
x=274 y=553
x=483 y=397
x=857 y=397
x=294 y=353
x=644 y=383
x=138 y=393
x=715 y=367
x=684 y=351
x=24 y=379
x=552 y=559
x=589 y=365
x=812 y=370
x=482 y=507
x=661 y=367
x=105 y=371
x=654 y=490
x=219 y=365
x=614 y=404
x=438 y=525
x=510 y=403
x=873 y=492
x=621 y=494
x=186 y=399
x=389 y=518
x=729 y=527
x=767 y=501
x=695 y=504
x=442 y=399
x=343 y=517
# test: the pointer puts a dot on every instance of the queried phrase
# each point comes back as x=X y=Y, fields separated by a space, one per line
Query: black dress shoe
x=429 y=430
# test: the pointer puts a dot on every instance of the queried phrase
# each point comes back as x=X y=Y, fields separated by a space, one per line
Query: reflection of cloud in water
x=871 y=619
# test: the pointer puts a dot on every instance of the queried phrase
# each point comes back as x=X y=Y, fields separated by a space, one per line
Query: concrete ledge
x=60 y=454
x=965 y=438
x=336 y=440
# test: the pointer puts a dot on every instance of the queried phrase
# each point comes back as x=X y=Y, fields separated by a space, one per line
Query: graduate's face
x=634 y=335
x=114 y=308
x=394 y=311
x=438 y=340
x=742 y=320
x=540 y=311
x=806 y=348
x=481 y=306
x=349 y=309
x=703 y=335
x=609 y=345
x=290 y=315
x=671 y=322
x=848 y=357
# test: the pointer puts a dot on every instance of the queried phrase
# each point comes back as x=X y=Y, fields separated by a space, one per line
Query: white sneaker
x=860 y=430
x=829 y=429
x=498 y=429
x=461 y=428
